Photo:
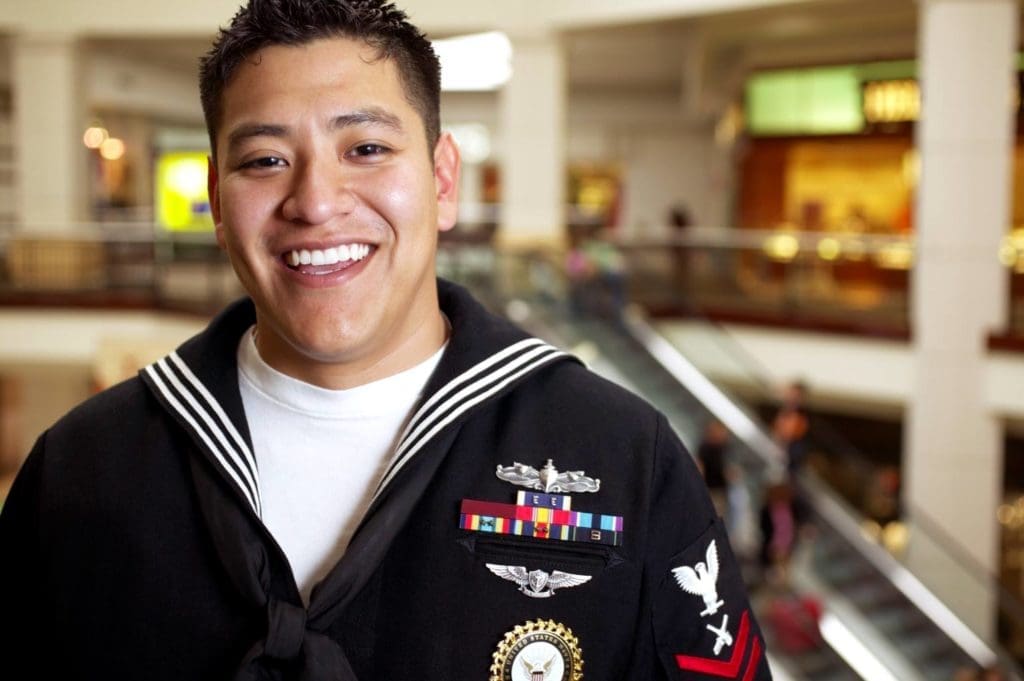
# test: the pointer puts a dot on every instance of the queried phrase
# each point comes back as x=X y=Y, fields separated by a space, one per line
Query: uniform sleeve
x=696 y=621
x=21 y=632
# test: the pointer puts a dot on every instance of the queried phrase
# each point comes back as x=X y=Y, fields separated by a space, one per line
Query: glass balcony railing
x=854 y=283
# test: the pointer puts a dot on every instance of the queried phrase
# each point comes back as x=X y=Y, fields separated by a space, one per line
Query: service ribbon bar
x=526 y=528
x=540 y=522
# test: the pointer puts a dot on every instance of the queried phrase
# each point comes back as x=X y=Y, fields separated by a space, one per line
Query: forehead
x=325 y=77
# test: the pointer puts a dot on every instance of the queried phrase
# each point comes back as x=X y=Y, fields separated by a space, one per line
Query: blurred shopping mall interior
x=705 y=200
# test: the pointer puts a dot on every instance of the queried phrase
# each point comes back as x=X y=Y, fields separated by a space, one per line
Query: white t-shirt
x=320 y=454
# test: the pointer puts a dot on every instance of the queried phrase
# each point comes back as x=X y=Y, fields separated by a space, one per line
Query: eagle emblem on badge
x=701 y=580
x=537 y=583
x=548 y=479
x=540 y=650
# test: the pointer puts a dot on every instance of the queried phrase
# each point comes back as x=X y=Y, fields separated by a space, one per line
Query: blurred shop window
x=595 y=195
x=117 y=166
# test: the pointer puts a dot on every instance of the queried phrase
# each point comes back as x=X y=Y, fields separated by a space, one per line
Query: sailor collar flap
x=198 y=385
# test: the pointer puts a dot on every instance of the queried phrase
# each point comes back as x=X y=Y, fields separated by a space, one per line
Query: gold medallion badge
x=541 y=650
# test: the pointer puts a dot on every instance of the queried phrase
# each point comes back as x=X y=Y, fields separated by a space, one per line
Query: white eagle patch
x=700 y=580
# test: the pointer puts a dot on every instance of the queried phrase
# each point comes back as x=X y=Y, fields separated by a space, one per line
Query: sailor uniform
x=133 y=545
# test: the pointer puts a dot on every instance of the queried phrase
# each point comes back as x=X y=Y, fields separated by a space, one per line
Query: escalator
x=879 y=621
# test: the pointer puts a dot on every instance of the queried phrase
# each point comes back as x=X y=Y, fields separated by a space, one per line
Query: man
x=359 y=474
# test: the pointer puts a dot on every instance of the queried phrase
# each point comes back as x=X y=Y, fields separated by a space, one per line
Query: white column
x=533 y=112
x=50 y=163
x=953 y=465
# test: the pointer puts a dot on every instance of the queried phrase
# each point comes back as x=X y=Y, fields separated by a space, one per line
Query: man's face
x=327 y=202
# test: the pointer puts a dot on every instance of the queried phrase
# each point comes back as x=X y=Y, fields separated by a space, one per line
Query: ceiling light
x=112 y=149
x=94 y=136
x=482 y=61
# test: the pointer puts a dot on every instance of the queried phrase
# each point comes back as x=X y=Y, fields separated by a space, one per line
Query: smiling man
x=357 y=473
x=320 y=154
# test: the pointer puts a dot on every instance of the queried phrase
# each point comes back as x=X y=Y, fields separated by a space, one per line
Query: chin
x=335 y=351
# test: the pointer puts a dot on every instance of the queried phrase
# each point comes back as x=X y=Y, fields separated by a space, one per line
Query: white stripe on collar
x=434 y=415
x=237 y=462
x=442 y=408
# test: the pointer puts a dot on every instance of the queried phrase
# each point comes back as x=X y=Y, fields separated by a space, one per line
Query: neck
x=341 y=374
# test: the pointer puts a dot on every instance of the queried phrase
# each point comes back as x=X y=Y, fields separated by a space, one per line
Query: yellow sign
x=182 y=204
x=892 y=101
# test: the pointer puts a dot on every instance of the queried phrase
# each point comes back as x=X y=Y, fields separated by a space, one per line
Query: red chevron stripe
x=728 y=669
x=755 y=658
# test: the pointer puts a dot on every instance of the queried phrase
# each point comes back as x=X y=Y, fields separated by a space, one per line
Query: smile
x=345 y=253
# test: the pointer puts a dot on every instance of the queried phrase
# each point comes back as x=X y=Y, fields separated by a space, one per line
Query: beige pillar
x=533 y=113
x=47 y=130
x=953 y=465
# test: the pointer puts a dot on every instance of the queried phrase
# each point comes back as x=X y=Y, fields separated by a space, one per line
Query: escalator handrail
x=841 y=518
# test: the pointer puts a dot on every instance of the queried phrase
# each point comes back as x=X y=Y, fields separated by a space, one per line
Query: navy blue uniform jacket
x=132 y=546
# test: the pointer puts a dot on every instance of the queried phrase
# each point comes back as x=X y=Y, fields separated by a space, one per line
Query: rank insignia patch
x=703 y=626
x=700 y=580
x=728 y=668
x=540 y=650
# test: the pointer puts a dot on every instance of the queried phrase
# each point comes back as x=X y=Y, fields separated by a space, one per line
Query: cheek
x=243 y=211
x=403 y=198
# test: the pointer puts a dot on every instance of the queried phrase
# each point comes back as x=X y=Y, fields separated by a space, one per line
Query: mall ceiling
x=656 y=56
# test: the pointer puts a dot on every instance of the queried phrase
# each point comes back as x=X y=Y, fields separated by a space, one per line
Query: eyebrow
x=368 y=116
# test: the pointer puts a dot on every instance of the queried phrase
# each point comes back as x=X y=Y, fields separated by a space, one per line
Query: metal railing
x=855 y=283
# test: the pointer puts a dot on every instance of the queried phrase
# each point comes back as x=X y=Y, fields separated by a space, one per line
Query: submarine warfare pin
x=548 y=479
x=541 y=650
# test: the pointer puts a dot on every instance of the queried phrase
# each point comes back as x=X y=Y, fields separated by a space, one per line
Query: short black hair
x=378 y=23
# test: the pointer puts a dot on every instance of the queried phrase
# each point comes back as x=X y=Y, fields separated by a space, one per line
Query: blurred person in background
x=579 y=271
x=679 y=222
x=741 y=517
x=782 y=521
x=609 y=274
x=329 y=481
x=712 y=459
x=791 y=425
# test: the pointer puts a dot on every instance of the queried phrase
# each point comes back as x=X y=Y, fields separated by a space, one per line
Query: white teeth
x=329 y=256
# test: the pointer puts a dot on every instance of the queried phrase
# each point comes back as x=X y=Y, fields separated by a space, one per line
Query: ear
x=447 y=164
x=214 y=196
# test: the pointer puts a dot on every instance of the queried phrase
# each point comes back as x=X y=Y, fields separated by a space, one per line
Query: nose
x=318 y=193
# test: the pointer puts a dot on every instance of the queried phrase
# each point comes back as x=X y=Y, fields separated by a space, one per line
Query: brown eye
x=369 y=150
x=264 y=162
